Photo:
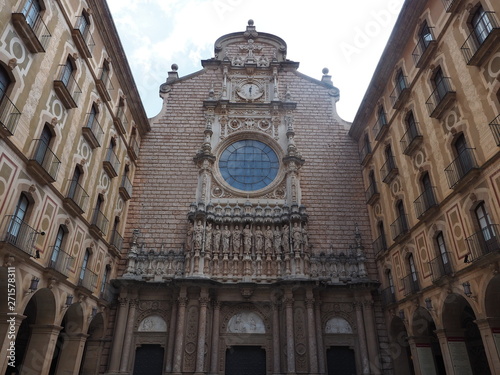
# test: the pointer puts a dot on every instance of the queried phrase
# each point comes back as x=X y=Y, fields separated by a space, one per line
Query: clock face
x=250 y=91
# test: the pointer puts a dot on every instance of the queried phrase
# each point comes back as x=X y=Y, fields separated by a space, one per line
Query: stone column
x=171 y=338
x=70 y=357
x=6 y=322
x=445 y=351
x=215 y=338
x=371 y=336
x=202 y=331
x=116 y=350
x=276 y=339
x=179 y=335
x=313 y=351
x=129 y=333
x=290 y=342
x=365 y=364
x=319 y=337
x=489 y=344
x=414 y=355
x=40 y=349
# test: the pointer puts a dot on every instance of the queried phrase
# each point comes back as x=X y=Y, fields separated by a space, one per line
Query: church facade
x=249 y=248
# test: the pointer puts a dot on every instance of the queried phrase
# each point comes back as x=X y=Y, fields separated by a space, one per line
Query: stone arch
x=94 y=345
x=491 y=298
x=338 y=325
x=246 y=322
x=400 y=347
x=153 y=323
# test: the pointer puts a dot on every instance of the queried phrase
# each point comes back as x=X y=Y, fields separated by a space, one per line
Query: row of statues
x=249 y=239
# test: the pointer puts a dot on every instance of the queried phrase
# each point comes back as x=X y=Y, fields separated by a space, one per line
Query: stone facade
x=429 y=142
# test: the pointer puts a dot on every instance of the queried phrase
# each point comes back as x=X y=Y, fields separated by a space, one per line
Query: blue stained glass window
x=248 y=165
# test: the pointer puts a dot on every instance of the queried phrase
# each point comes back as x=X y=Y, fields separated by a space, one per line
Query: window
x=403 y=224
x=17 y=220
x=105 y=71
x=440 y=85
x=464 y=158
x=31 y=12
x=67 y=72
x=97 y=209
x=85 y=262
x=4 y=82
x=92 y=116
x=391 y=281
x=400 y=81
x=487 y=229
x=366 y=144
x=381 y=232
x=389 y=158
x=443 y=253
x=428 y=191
x=382 y=119
x=43 y=145
x=481 y=25
x=83 y=24
x=57 y=245
x=75 y=180
x=411 y=125
x=413 y=269
x=105 y=278
x=425 y=36
x=249 y=165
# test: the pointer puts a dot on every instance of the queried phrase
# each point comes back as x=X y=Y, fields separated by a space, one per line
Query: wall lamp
x=401 y=314
x=467 y=289
x=34 y=284
x=69 y=301
x=428 y=304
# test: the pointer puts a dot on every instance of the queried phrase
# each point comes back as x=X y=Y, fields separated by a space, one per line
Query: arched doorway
x=429 y=353
x=93 y=347
x=463 y=336
x=400 y=348
x=490 y=327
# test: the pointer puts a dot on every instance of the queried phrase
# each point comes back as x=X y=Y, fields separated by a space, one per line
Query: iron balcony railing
x=94 y=127
x=422 y=46
x=479 y=35
x=365 y=151
x=495 y=128
x=19 y=234
x=112 y=161
x=100 y=221
x=126 y=188
x=371 y=192
x=62 y=262
x=116 y=240
x=9 y=114
x=388 y=296
x=121 y=120
x=45 y=158
x=389 y=169
x=108 y=293
x=425 y=201
x=449 y=5
x=397 y=94
x=410 y=137
x=379 y=245
x=483 y=242
x=68 y=81
x=411 y=284
x=133 y=148
x=460 y=167
x=77 y=194
x=437 y=98
x=400 y=226
x=82 y=23
x=380 y=126
x=441 y=266
x=88 y=280
x=35 y=23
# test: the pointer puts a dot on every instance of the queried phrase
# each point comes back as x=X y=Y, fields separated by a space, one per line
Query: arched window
x=5 y=82
x=105 y=279
x=17 y=223
x=413 y=276
x=75 y=181
x=400 y=81
x=390 y=281
x=381 y=242
x=425 y=36
x=57 y=246
x=411 y=125
x=465 y=160
x=41 y=153
x=443 y=252
x=402 y=223
x=440 y=84
x=481 y=24
x=382 y=119
x=83 y=24
x=428 y=191
x=31 y=11
x=488 y=231
x=67 y=72
x=84 y=267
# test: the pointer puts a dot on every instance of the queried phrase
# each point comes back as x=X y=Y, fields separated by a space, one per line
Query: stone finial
x=326 y=78
x=173 y=75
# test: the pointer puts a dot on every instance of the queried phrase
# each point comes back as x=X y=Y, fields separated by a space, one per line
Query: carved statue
x=277 y=240
x=198 y=236
x=247 y=239
x=216 y=239
x=236 y=236
x=208 y=238
x=268 y=240
x=286 y=238
x=226 y=235
x=297 y=237
x=259 y=240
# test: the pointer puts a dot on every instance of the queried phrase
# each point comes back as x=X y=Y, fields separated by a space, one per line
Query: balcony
x=76 y=198
x=411 y=139
x=426 y=203
x=372 y=194
x=108 y=293
x=380 y=127
x=116 y=240
x=32 y=31
x=19 y=234
x=63 y=262
x=92 y=131
x=43 y=162
x=388 y=296
x=99 y=224
x=410 y=283
x=111 y=164
x=400 y=93
x=121 y=121
x=66 y=88
x=133 y=149
x=451 y=6
x=125 y=188
x=399 y=228
x=389 y=170
x=379 y=245
x=495 y=128
x=104 y=86
x=484 y=242
x=439 y=268
x=84 y=41
x=9 y=115
x=462 y=170
x=88 y=280
x=441 y=99
x=482 y=42
x=424 y=49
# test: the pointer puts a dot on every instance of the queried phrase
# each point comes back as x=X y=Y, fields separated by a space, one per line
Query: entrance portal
x=340 y=361
x=149 y=360
x=245 y=360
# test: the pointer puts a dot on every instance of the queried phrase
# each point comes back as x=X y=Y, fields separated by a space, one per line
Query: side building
x=428 y=131
x=71 y=122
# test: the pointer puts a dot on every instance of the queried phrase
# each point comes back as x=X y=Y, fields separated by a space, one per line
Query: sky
x=345 y=36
